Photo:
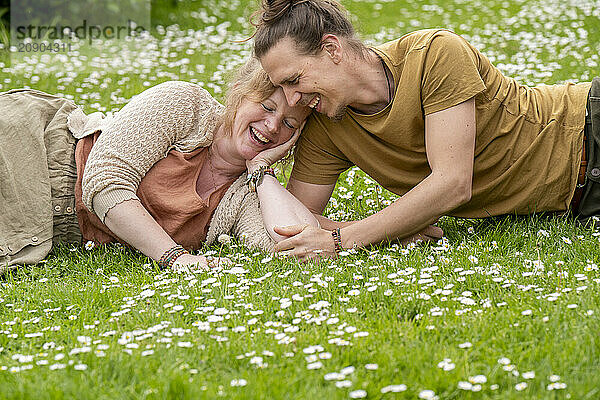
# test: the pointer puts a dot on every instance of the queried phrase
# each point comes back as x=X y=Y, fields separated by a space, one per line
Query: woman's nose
x=272 y=125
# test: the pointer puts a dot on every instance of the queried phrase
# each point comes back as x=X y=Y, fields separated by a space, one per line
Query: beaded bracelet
x=170 y=256
x=337 y=240
x=256 y=177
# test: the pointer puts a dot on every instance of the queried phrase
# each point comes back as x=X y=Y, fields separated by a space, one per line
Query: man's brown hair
x=304 y=21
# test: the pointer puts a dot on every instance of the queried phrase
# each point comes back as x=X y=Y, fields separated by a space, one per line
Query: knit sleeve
x=249 y=227
x=238 y=214
x=137 y=137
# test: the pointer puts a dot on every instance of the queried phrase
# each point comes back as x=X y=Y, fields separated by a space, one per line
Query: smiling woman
x=164 y=174
x=258 y=128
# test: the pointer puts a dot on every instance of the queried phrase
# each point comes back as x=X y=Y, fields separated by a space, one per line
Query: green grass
x=522 y=291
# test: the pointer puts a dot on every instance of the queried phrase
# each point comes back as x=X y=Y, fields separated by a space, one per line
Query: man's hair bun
x=273 y=10
x=304 y=21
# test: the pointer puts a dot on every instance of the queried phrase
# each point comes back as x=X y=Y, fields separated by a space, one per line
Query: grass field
x=499 y=309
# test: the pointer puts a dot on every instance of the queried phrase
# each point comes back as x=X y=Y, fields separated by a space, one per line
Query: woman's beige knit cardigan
x=172 y=115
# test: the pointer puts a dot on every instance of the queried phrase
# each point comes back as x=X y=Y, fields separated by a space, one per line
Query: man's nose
x=292 y=96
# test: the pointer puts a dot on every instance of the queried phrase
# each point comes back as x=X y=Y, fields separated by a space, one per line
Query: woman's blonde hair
x=250 y=82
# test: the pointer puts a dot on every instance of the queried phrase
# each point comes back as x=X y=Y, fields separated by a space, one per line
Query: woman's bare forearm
x=280 y=208
x=133 y=224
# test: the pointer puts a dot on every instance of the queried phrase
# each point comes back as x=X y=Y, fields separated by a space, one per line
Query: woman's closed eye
x=267 y=108
x=289 y=124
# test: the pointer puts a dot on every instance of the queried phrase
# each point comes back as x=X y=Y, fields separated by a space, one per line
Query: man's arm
x=314 y=197
x=450 y=144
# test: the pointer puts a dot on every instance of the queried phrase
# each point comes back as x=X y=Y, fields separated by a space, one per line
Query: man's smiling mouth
x=314 y=102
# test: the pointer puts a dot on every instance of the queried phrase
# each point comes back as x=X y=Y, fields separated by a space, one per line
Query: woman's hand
x=189 y=262
x=270 y=156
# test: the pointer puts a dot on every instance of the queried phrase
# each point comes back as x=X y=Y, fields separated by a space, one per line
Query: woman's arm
x=279 y=207
x=136 y=138
x=132 y=223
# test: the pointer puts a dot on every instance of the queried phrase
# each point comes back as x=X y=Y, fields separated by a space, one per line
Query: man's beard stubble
x=339 y=113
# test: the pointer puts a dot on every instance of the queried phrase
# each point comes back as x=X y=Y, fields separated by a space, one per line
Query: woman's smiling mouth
x=255 y=133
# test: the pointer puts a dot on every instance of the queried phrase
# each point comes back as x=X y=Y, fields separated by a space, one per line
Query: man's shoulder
x=416 y=40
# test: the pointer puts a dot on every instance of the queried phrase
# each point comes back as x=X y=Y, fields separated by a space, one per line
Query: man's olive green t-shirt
x=528 y=142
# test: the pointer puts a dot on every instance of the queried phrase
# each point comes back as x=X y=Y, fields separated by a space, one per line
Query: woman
x=429 y=118
x=152 y=176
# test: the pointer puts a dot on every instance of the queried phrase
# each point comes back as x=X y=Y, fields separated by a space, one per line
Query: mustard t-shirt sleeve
x=450 y=73
x=317 y=160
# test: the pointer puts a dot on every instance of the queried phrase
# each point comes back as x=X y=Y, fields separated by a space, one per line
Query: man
x=427 y=116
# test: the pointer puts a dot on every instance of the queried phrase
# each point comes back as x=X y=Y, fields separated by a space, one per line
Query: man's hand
x=309 y=243
x=305 y=242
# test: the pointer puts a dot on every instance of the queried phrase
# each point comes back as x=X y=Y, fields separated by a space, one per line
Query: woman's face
x=264 y=125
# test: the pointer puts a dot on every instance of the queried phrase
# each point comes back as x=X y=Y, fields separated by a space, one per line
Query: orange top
x=167 y=191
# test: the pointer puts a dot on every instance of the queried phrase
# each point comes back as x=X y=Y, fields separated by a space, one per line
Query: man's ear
x=332 y=46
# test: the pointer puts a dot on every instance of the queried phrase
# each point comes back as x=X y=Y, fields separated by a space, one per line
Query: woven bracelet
x=270 y=171
x=337 y=240
x=170 y=256
x=255 y=178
